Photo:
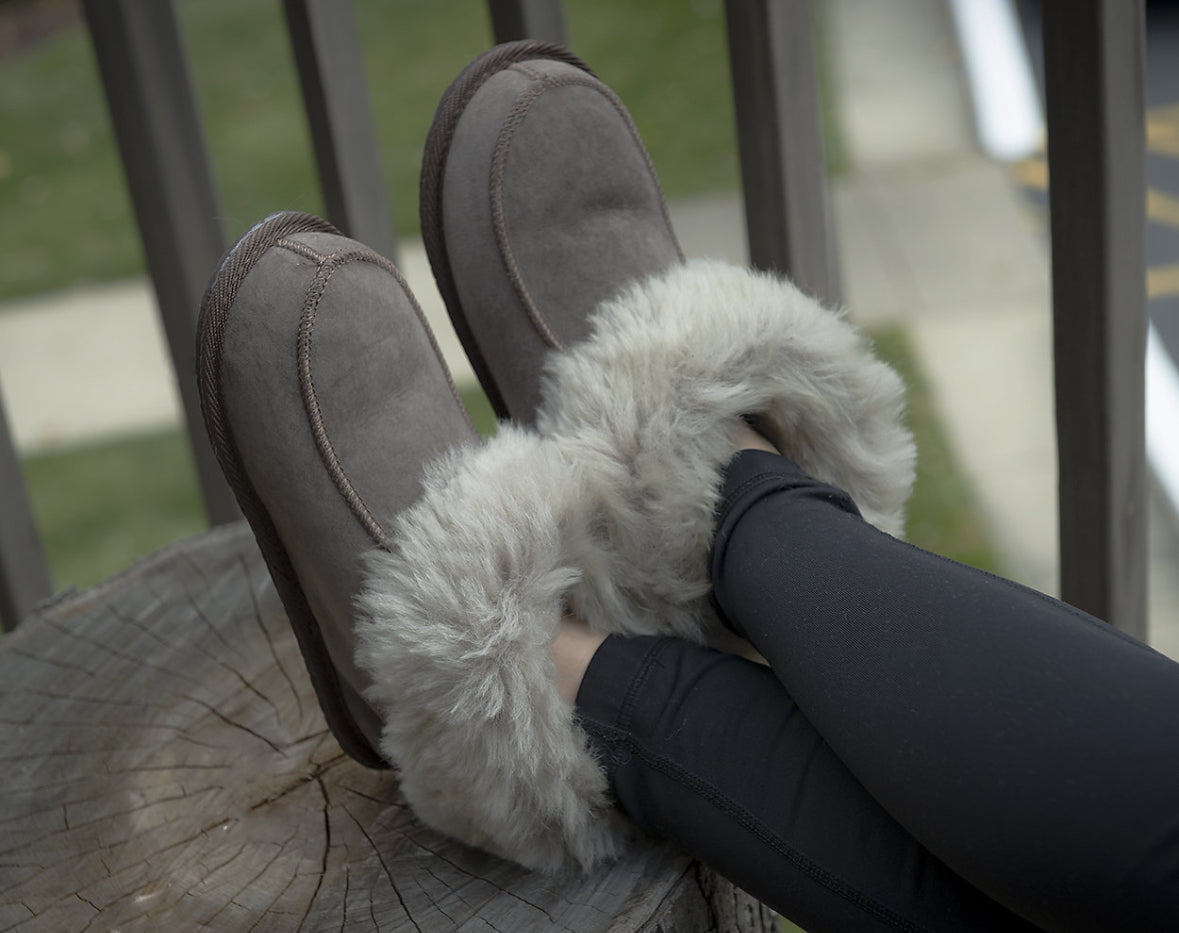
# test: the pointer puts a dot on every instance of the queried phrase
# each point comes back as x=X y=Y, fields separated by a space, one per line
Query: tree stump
x=166 y=767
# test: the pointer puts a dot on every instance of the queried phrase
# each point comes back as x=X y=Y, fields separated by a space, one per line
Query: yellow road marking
x=1162 y=136
x=1162 y=130
x=1162 y=208
x=1162 y=281
x=1031 y=172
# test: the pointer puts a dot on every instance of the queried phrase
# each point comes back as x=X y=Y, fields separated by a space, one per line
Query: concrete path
x=938 y=237
x=931 y=234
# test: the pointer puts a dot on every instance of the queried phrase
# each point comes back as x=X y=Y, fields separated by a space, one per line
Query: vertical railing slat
x=528 y=19
x=149 y=94
x=1093 y=61
x=335 y=94
x=24 y=572
x=779 y=132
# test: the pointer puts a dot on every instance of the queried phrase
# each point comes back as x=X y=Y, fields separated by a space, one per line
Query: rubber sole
x=216 y=307
x=446 y=118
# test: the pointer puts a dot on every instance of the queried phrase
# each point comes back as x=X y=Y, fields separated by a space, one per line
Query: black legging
x=933 y=742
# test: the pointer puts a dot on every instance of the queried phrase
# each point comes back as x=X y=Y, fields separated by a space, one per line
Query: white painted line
x=1162 y=416
x=1006 y=103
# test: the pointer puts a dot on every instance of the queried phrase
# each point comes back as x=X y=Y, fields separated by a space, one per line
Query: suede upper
x=335 y=396
x=550 y=205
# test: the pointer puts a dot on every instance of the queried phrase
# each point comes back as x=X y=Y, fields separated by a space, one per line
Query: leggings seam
x=735 y=494
x=629 y=702
x=822 y=876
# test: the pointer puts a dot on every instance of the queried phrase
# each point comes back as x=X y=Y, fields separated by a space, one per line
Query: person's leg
x=1029 y=746
x=707 y=750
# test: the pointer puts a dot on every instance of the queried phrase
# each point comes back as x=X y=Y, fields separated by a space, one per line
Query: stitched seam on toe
x=499 y=159
x=323 y=443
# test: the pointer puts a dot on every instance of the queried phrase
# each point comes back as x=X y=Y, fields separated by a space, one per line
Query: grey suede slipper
x=324 y=394
x=538 y=202
x=547 y=231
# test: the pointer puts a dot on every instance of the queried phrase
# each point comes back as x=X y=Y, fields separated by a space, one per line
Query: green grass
x=943 y=514
x=101 y=507
x=67 y=216
x=67 y=219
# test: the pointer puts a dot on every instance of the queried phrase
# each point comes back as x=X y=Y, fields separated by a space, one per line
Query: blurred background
x=933 y=139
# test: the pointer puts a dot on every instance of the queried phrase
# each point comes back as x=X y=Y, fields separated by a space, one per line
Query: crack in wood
x=91 y=723
x=269 y=912
x=265 y=868
x=315 y=736
x=384 y=802
x=97 y=910
x=39 y=659
x=327 y=846
x=131 y=661
x=512 y=894
x=237 y=725
x=385 y=867
x=218 y=659
x=141 y=792
x=130 y=621
x=258 y=618
x=302 y=780
x=144 y=808
x=344 y=900
x=438 y=907
x=85 y=698
x=87 y=755
x=210 y=872
x=185 y=558
x=372 y=911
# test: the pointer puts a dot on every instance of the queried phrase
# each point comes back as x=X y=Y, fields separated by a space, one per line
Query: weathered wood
x=24 y=572
x=528 y=19
x=166 y=767
x=783 y=173
x=335 y=97
x=149 y=94
x=1093 y=69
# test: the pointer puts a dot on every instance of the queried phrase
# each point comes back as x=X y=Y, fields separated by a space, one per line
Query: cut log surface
x=166 y=767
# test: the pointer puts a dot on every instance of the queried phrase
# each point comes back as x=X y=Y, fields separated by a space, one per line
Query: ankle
x=747 y=438
x=572 y=651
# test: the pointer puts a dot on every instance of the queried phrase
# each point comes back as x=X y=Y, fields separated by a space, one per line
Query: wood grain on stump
x=166 y=767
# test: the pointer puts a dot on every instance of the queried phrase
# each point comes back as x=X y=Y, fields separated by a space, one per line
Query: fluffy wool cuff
x=455 y=628
x=648 y=405
x=607 y=514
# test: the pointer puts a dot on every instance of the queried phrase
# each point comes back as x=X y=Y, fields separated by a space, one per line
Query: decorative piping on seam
x=323 y=443
x=329 y=265
x=519 y=111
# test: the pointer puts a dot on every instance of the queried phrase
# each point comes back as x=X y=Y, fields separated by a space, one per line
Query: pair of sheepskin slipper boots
x=425 y=574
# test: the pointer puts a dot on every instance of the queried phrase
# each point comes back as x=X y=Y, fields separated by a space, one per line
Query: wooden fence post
x=24 y=573
x=335 y=95
x=528 y=19
x=779 y=132
x=141 y=60
x=1093 y=64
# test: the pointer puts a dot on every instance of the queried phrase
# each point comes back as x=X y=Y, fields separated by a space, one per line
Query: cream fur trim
x=609 y=513
x=647 y=405
x=455 y=629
